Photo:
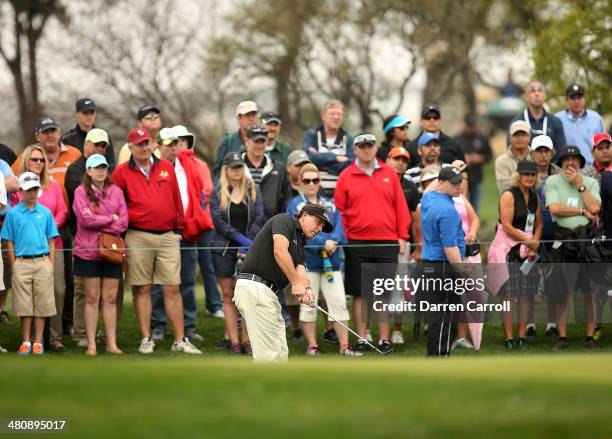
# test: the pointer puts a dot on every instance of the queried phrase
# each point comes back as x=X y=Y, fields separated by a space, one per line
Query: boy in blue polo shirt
x=30 y=232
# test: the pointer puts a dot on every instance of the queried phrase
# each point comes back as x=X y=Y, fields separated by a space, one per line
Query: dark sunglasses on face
x=311 y=180
x=37 y=159
x=432 y=118
x=100 y=145
x=151 y=116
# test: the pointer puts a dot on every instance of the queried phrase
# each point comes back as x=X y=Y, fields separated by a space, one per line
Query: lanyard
x=544 y=127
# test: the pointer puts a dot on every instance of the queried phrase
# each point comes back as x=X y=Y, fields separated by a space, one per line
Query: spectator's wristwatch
x=581 y=189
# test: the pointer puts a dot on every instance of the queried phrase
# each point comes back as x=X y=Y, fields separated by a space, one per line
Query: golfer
x=276 y=258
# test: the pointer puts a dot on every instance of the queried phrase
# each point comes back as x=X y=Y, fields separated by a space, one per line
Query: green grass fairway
x=537 y=396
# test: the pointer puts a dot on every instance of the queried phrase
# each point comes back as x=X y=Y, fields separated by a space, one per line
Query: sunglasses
x=365 y=138
x=432 y=118
x=151 y=116
x=311 y=180
x=102 y=145
x=37 y=159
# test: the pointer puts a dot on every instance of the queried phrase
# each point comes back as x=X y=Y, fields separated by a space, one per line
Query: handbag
x=112 y=248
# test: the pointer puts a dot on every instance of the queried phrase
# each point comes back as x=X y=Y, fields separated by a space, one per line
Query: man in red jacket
x=155 y=212
x=197 y=222
x=376 y=221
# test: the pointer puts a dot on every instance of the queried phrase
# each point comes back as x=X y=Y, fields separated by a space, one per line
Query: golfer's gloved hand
x=242 y=240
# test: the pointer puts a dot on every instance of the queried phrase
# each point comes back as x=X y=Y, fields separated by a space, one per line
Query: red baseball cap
x=601 y=137
x=138 y=135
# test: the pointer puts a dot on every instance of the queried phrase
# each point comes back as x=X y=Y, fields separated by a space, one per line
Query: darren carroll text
x=424 y=306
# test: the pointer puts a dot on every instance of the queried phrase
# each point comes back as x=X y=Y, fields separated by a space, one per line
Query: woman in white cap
x=33 y=159
x=99 y=207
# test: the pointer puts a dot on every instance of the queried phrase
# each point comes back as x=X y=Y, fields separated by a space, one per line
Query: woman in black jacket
x=238 y=214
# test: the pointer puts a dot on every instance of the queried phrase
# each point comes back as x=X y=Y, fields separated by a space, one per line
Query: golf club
x=312 y=305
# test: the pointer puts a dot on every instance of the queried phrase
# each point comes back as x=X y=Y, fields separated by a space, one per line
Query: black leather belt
x=34 y=256
x=261 y=280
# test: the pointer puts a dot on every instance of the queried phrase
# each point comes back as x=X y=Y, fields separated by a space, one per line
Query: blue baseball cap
x=96 y=160
x=428 y=137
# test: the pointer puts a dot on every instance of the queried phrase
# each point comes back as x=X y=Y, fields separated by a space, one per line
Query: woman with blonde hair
x=238 y=214
x=51 y=195
x=517 y=240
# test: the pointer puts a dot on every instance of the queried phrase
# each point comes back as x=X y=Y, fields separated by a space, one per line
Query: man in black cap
x=275 y=259
x=276 y=149
x=443 y=249
x=431 y=121
x=85 y=114
x=149 y=118
x=477 y=152
x=268 y=174
x=579 y=124
x=574 y=202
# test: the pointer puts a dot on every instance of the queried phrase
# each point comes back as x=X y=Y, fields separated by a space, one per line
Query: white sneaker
x=397 y=337
x=2 y=350
x=146 y=345
x=462 y=343
x=185 y=346
x=369 y=336
x=218 y=314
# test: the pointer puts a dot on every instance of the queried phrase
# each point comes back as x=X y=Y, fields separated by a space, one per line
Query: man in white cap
x=246 y=117
x=505 y=164
x=214 y=305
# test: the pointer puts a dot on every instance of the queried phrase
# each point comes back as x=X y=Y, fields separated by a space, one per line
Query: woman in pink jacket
x=51 y=195
x=99 y=206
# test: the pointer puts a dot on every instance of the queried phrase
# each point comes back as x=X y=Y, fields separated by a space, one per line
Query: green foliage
x=572 y=42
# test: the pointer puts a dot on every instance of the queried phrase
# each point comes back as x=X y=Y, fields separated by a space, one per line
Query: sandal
x=115 y=351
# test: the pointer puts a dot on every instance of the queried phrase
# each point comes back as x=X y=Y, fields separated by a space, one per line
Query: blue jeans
x=211 y=290
x=474 y=194
x=188 y=273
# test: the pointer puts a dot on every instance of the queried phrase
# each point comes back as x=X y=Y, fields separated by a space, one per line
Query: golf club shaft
x=350 y=330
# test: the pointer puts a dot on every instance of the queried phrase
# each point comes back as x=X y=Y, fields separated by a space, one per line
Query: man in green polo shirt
x=574 y=202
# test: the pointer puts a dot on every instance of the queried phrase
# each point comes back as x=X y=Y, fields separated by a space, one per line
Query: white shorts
x=333 y=293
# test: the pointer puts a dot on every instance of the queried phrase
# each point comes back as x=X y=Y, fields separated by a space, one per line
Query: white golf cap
x=541 y=140
x=28 y=180
x=246 y=107
x=181 y=131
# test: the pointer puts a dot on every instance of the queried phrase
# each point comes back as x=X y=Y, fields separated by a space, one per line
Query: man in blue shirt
x=579 y=124
x=30 y=231
x=443 y=242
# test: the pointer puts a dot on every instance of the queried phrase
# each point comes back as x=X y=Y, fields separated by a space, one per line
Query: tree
x=142 y=52
x=28 y=19
x=572 y=42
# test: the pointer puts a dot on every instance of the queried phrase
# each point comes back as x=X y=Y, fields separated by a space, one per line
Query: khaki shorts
x=153 y=259
x=33 y=287
x=262 y=312
x=333 y=293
